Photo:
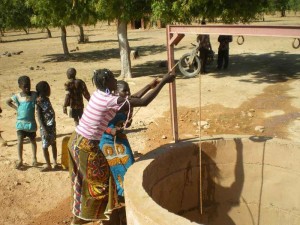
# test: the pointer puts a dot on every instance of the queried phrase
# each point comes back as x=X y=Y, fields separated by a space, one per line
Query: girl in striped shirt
x=93 y=188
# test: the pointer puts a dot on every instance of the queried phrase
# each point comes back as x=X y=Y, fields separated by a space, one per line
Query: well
x=244 y=181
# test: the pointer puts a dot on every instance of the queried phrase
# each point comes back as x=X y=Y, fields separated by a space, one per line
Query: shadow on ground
x=266 y=68
x=269 y=67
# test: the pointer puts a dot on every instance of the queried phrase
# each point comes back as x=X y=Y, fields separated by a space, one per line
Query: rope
x=200 y=148
x=140 y=107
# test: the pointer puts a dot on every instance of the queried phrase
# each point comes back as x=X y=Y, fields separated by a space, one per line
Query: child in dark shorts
x=46 y=117
x=24 y=103
x=75 y=91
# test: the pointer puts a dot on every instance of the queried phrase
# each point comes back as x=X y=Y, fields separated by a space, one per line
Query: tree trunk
x=2 y=32
x=49 y=32
x=282 y=12
x=26 y=31
x=81 y=34
x=124 y=50
x=64 y=40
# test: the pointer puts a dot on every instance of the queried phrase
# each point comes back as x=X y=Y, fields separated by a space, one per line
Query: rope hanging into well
x=140 y=107
x=200 y=148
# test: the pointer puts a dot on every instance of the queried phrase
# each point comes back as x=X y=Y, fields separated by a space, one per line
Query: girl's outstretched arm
x=144 y=101
x=147 y=88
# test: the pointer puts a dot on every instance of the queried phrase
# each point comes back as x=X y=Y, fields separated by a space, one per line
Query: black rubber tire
x=295 y=46
x=189 y=70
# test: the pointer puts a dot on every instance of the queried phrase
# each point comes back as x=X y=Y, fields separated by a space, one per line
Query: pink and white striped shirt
x=102 y=107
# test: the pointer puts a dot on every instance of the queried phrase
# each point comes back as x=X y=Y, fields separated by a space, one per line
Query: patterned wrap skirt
x=50 y=138
x=93 y=189
x=119 y=157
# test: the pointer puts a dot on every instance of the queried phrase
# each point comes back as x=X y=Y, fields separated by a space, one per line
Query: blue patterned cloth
x=117 y=151
x=48 y=118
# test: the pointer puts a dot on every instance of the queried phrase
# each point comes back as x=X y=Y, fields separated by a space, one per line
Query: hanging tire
x=189 y=69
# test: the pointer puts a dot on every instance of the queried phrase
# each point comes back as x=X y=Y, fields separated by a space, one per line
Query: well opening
x=243 y=181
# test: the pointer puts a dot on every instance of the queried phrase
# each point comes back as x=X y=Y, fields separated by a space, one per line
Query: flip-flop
x=79 y=221
x=56 y=167
x=46 y=169
x=18 y=165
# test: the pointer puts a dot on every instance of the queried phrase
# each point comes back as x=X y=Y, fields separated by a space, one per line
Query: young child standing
x=75 y=89
x=24 y=103
x=46 y=117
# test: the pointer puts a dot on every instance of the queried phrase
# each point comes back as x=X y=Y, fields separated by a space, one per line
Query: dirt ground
x=260 y=90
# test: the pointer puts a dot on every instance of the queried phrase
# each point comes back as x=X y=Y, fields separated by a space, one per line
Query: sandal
x=78 y=221
x=35 y=163
x=46 y=169
x=55 y=166
x=18 y=165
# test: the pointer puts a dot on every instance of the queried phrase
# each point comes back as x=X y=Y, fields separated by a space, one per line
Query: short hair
x=42 y=88
x=122 y=84
x=100 y=77
x=71 y=73
x=23 y=80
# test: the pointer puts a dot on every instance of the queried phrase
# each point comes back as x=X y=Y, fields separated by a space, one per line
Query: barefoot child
x=46 y=117
x=75 y=89
x=24 y=103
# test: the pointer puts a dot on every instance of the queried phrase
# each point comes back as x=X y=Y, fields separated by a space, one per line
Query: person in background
x=223 y=51
x=75 y=91
x=204 y=48
x=46 y=117
x=24 y=103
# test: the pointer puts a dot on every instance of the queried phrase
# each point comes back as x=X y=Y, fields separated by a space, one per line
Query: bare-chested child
x=24 y=103
x=46 y=117
x=75 y=90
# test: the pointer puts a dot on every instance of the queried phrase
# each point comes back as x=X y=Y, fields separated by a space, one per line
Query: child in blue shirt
x=24 y=103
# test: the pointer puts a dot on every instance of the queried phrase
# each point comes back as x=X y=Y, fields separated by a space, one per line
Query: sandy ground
x=260 y=88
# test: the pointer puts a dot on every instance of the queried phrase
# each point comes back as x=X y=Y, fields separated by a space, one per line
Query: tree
x=54 y=13
x=123 y=11
x=83 y=13
x=15 y=14
x=227 y=11
x=283 y=5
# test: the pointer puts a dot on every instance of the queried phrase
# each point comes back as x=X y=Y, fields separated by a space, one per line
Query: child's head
x=123 y=89
x=24 y=84
x=104 y=79
x=43 y=89
x=71 y=73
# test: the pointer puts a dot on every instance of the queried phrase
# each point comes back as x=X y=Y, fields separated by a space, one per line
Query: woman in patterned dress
x=93 y=188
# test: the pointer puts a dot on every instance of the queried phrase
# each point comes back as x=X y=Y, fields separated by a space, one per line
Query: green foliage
x=84 y=12
x=283 y=5
x=54 y=13
x=15 y=14
x=123 y=10
x=226 y=11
